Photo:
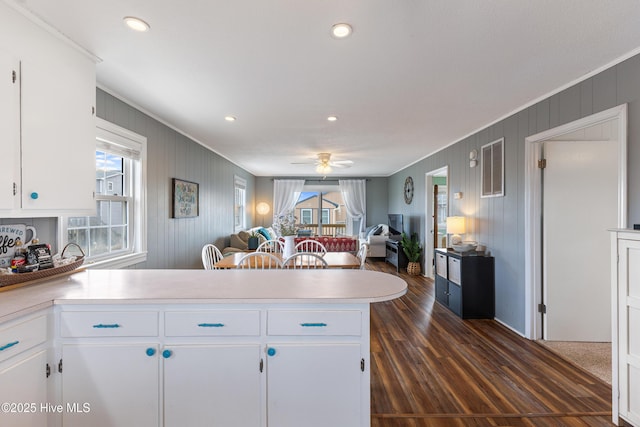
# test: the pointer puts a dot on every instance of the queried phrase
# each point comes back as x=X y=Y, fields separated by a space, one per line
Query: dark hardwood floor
x=431 y=368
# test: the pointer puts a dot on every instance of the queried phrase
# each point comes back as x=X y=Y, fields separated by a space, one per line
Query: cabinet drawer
x=22 y=336
x=212 y=323
x=290 y=322
x=108 y=324
x=441 y=265
x=454 y=270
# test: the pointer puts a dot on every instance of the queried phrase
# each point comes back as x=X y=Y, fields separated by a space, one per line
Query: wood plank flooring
x=431 y=368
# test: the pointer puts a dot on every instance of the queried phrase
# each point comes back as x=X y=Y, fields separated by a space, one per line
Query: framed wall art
x=185 y=198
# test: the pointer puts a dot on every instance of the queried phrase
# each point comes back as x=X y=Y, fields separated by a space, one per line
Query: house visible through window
x=117 y=231
x=321 y=210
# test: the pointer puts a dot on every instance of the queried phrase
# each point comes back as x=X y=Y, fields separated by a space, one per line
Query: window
x=493 y=169
x=240 y=203
x=325 y=216
x=116 y=236
x=306 y=216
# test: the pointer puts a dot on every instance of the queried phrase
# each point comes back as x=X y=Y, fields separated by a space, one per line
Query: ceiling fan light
x=323 y=168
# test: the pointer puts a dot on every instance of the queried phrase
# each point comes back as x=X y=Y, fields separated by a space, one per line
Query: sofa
x=334 y=244
x=375 y=237
x=239 y=242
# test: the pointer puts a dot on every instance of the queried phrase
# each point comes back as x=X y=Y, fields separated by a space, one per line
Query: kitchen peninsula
x=194 y=347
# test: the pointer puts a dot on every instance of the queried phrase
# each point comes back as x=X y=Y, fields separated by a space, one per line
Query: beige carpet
x=594 y=357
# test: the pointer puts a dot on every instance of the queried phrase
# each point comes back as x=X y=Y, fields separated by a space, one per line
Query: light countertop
x=204 y=287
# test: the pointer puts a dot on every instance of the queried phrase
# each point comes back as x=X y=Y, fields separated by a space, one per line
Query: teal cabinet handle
x=210 y=325
x=313 y=325
x=107 y=326
x=151 y=351
x=167 y=354
x=271 y=351
x=34 y=195
x=9 y=345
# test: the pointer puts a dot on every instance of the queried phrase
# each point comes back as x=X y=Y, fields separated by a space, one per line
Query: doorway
x=614 y=119
x=437 y=209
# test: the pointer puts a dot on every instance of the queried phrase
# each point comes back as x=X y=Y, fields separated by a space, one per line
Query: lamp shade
x=263 y=208
x=455 y=225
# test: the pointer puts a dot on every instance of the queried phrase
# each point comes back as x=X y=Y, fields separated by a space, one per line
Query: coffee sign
x=9 y=236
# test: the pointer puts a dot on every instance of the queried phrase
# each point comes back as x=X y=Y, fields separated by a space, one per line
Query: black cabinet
x=395 y=255
x=465 y=284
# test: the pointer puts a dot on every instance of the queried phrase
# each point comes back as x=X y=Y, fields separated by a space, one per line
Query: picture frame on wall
x=185 y=198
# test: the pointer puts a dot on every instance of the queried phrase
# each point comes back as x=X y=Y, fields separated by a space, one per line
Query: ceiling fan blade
x=304 y=163
x=340 y=165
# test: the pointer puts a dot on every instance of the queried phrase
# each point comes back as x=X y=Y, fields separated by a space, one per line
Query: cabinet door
x=314 y=385
x=58 y=130
x=10 y=130
x=629 y=330
x=119 y=383
x=455 y=298
x=212 y=385
x=442 y=291
x=24 y=384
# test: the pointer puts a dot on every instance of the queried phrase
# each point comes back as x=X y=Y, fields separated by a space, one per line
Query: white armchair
x=375 y=238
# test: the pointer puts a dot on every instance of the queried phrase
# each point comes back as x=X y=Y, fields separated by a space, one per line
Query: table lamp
x=455 y=226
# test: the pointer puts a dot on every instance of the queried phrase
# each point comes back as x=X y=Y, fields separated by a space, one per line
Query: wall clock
x=408 y=190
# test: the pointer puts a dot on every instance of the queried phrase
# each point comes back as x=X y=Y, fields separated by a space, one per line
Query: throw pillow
x=264 y=233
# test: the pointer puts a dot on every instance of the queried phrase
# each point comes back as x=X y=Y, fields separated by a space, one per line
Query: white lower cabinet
x=110 y=385
x=314 y=385
x=194 y=365
x=24 y=381
x=212 y=385
x=23 y=386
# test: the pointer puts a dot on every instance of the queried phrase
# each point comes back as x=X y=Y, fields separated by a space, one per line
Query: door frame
x=428 y=201
x=533 y=204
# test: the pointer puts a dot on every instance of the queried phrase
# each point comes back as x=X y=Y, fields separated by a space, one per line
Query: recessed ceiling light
x=230 y=118
x=136 y=24
x=332 y=118
x=341 y=30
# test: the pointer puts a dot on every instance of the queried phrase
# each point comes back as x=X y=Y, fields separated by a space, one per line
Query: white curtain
x=286 y=193
x=354 y=194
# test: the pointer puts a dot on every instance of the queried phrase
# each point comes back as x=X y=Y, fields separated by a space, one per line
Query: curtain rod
x=321 y=181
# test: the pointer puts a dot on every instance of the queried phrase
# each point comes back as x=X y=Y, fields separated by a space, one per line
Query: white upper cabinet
x=9 y=128
x=54 y=114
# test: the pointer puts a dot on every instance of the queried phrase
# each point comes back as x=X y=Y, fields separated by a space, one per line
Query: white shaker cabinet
x=23 y=372
x=626 y=326
x=10 y=128
x=54 y=112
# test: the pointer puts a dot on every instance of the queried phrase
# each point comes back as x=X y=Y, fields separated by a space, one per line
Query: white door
x=314 y=385
x=212 y=386
x=119 y=383
x=580 y=203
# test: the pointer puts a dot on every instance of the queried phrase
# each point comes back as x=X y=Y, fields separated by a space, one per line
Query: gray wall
x=176 y=243
x=499 y=222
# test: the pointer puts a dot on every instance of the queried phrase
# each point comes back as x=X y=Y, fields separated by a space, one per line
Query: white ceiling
x=416 y=75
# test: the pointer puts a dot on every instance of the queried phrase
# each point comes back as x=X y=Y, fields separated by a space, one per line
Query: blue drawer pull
x=271 y=351
x=313 y=325
x=166 y=354
x=210 y=325
x=107 y=326
x=151 y=351
x=11 y=344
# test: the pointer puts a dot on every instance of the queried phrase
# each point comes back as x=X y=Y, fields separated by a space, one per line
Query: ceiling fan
x=324 y=164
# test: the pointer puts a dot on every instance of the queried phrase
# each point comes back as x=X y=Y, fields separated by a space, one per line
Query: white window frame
x=488 y=167
x=302 y=213
x=111 y=137
x=239 y=203
x=328 y=212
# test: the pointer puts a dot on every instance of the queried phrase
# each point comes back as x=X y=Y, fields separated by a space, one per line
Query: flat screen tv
x=395 y=224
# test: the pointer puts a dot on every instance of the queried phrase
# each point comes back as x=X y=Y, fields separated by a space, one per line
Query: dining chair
x=259 y=261
x=362 y=255
x=305 y=260
x=310 y=245
x=210 y=255
x=273 y=246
